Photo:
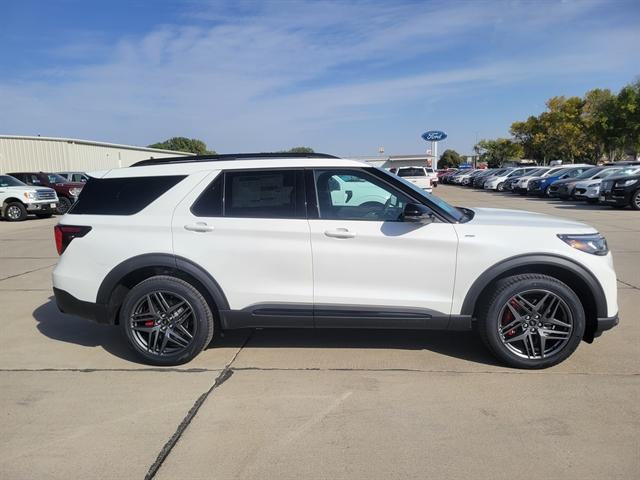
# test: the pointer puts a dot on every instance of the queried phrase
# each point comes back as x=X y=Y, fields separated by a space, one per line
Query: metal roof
x=91 y=142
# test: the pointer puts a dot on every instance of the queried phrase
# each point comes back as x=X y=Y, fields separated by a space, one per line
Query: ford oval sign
x=434 y=136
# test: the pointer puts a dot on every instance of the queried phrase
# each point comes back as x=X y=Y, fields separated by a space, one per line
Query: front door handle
x=340 y=233
x=199 y=227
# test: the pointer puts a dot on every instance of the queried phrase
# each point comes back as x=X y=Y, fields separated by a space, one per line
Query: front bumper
x=70 y=305
x=604 y=324
x=616 y=196
x=45 y=207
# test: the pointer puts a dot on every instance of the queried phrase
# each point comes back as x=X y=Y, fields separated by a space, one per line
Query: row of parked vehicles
x=39 y=193
x=616 y=184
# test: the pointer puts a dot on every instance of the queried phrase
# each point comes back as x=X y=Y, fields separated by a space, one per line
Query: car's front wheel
x=501 y=187
x=635 y=200
x=64 y=204
x=532 y=321
x=166 y=320
x=14 y=212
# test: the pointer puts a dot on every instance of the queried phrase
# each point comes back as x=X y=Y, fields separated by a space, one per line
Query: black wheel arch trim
x=161 y=260
x=545 y=259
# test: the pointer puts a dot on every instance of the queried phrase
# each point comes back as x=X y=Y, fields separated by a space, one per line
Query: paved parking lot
x=305 y=404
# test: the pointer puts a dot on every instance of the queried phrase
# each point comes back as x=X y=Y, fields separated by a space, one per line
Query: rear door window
x=411 y=172
x=264 y=194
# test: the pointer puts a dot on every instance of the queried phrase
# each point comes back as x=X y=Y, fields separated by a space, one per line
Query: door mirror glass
x=415 y=212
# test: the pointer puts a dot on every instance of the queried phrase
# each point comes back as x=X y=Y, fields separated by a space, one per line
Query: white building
x=48 y=154
x=395 y=161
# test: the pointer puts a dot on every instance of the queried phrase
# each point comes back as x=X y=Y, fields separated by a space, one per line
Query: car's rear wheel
x=166 y=320
x=14 y=212
x=501 y=187
x=532 y=321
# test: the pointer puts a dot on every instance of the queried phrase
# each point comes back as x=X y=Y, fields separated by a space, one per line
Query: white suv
x=421 y=177
x=17 y=200
x=176 y=250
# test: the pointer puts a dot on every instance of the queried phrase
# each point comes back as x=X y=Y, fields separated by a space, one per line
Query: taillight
x=65 y=233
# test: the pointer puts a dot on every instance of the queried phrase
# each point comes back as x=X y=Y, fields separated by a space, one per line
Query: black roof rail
x=228 y=156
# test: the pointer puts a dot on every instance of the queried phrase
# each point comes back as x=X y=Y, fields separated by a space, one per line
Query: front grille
x=581 y=190
x=45 y=194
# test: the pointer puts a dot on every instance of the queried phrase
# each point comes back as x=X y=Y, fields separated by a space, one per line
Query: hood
x=71 y=184
x=515 y=218
x=25 y=188
x=584 y=183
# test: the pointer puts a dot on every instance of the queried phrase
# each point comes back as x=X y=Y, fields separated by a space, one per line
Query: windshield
x=588 y=173
x=9 y=181
x=450 y=209
x=608 y=172
x=627 y=171
x=536 y=172
x=552 y=172
x=55 y=178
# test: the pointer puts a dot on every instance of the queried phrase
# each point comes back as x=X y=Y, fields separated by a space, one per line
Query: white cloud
x=301 y=73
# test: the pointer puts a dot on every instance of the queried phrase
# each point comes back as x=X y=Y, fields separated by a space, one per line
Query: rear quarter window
x=121 y=196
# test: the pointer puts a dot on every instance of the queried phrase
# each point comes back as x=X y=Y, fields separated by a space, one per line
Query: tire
x=547 y=192
x=561 y=338
x=64 y=204
x=500 y=187
x=14 y=212
x=635 y=200
x=165 y=341
x=44 y=215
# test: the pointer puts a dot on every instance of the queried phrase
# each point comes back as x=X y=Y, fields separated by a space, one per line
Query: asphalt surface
x=292 y=404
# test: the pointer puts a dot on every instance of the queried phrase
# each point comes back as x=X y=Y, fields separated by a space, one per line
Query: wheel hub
x=535 y=324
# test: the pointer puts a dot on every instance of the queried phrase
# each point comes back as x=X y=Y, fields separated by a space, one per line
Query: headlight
x=75 y=191
x=30 y=195
x=626 y=183
x=593 y=243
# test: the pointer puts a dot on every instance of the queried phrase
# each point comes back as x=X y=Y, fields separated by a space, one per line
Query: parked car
x=621 y=190
x=78 y=177
x=496 y=182
x=449 y=178
x=419 y=176
x=191 y=247
x=589 y=190
x=480 y=180
x=542 y=186
x=523 y=182
x=67 y=191
x=18 y=200
x=564 y=188
x=468 y=181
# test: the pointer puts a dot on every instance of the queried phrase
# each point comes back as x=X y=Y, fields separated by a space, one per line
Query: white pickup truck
x=17 y=200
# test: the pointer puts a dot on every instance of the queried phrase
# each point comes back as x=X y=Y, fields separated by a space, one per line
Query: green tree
x=627 y=115
x=301 y=150
x=449 y=158
x=496 y=152
x=183 y=144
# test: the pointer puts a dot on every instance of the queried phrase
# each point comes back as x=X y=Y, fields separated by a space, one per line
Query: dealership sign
x=434 y=136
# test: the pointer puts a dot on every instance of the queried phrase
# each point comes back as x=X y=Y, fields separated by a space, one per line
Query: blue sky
x=342 y=77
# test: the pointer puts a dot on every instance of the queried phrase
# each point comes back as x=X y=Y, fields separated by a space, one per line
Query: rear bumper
x=70 y=305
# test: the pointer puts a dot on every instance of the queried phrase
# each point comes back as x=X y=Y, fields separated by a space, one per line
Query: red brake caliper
x=508 y=317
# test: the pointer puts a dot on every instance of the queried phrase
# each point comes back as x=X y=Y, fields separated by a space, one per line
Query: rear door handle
x=199 y=227
x=340 y=233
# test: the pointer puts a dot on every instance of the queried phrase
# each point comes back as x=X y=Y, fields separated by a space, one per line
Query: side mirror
x=334 y=185
x=415 y=212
